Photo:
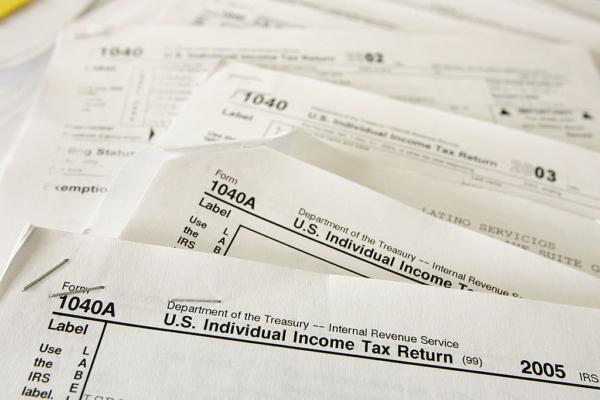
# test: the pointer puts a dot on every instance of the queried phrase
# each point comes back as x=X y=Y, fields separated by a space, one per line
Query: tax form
x=253 y=13
x=241 y=102
x=122 y=99
x=385 y=14
x=223 y=13
x=517 y=17
x=560 y=236
x=551 y=90
x=125 y=87
x=473 y=17
x=19 y=82
x=260 y=204
x=276 y=333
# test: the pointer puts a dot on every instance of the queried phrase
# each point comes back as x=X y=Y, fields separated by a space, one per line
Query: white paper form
x=222 y=13
x=543 y=230
x=246 y=102
x=516 y=17
x=560 y=236
x=550 y=90
x=262 y=205
x=395 y=16
x=122 y=91
x=552 y=233
x=108 y=14
x=125 y=88
x=508 y=19
x=277 y=332
x=251 y=13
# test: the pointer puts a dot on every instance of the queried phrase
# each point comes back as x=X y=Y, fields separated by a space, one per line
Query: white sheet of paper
x=246 y=102
x=508 y=18
x=260 y=204
x=223 y=13
x=560 y=236
x=118 y=95
x=125 y=87
x=278 y=333
x=550 y=90
x=251 y=13
x=18 y=83
x=388 y=15
x=518 y=17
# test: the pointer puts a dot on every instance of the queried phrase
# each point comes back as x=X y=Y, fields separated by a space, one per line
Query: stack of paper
x=193 y=193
